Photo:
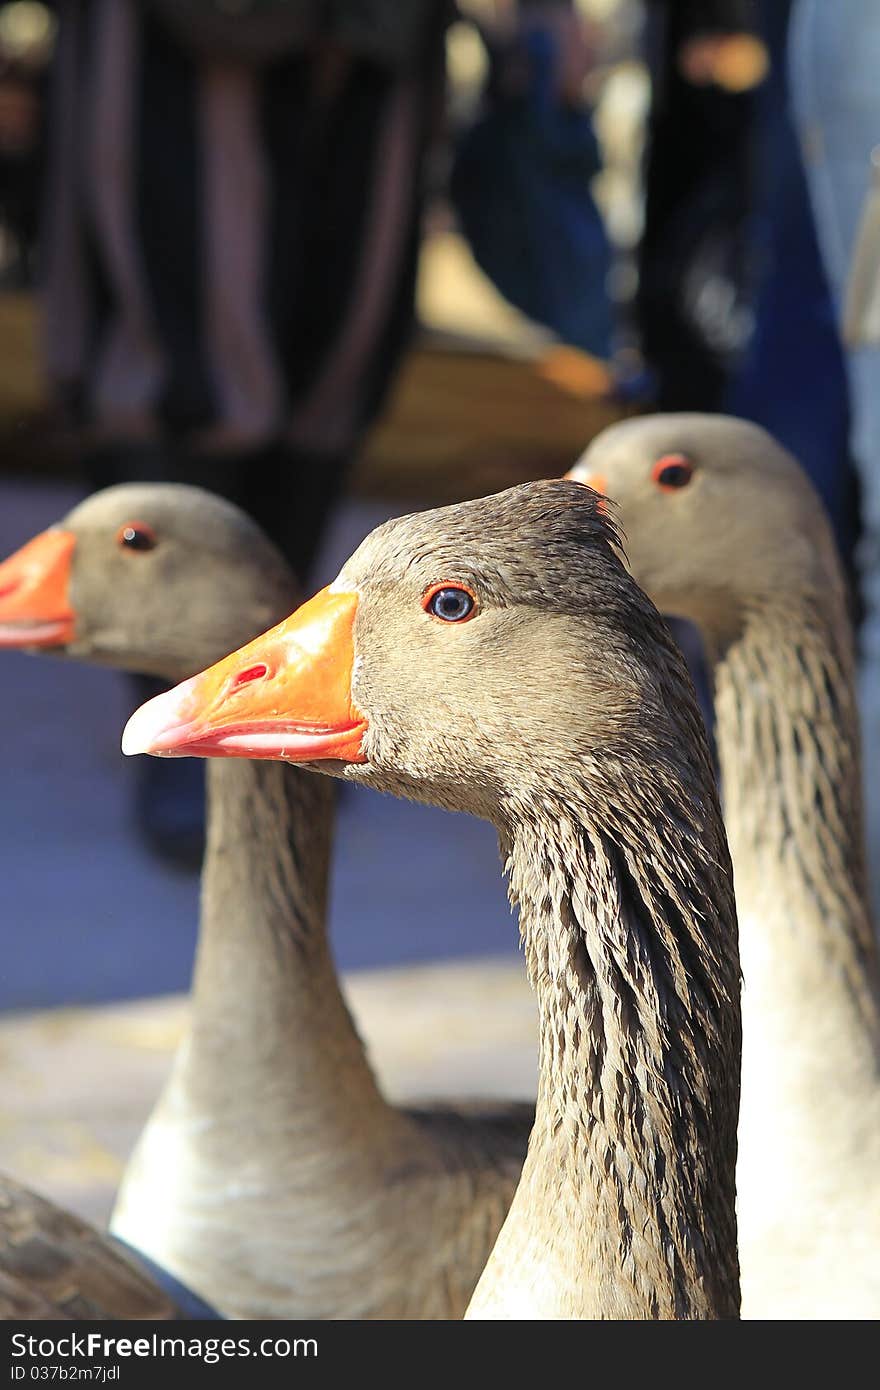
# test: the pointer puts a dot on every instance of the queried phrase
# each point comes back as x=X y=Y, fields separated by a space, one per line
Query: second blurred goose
x=273 y=1177
x=722 y=527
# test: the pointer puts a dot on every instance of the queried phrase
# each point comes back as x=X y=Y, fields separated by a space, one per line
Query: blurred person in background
x=834 y=73
x=522 y=172
x=232 y=226
x=706 y=58
x=735 y=305
x=792 y=380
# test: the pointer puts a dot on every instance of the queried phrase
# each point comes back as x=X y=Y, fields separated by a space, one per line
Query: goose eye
x=672 y=471
x=136 y=535
x=451 y=603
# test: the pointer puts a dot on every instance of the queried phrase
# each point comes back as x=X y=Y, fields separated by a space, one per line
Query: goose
x=495 y=657
x=53 y=1266
x=724 y=528
x=273 y=1177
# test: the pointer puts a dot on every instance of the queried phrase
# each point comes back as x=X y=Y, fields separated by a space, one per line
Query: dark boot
x=291 y=496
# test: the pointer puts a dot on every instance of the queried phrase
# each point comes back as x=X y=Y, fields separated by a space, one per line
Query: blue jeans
x=834 y=72
x=795 y=343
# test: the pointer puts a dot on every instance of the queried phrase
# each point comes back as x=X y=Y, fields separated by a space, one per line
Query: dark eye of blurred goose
x=672 y=471
x=450 y=603
x=136 y=535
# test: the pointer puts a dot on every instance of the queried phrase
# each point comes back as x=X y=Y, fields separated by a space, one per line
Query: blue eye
x=450 y=603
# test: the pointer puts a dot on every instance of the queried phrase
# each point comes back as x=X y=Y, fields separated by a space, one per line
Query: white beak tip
x=132 y=737
x=148 y=729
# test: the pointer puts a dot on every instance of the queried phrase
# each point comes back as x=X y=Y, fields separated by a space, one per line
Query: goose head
x=467 y=656
x=717 y=518
x=157 y=578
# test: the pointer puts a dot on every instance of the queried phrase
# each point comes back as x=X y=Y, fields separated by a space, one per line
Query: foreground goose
x=495 y=657
x=273 y=1177
x=54 y=1266
x=722 y=527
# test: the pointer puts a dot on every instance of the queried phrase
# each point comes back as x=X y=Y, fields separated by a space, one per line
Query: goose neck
x=268 y=1016
x=788 y=745
x=630 y=943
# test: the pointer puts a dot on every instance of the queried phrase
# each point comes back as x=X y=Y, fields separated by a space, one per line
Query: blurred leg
x=291 y=495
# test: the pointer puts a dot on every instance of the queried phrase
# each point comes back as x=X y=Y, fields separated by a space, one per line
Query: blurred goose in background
x=722 y=527
x=273 y=1177
x=55 y=1266
x=495 y=657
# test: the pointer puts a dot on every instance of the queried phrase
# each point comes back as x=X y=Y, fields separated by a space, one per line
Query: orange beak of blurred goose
x=286 y=695
x=35 y=606
x=594 y=480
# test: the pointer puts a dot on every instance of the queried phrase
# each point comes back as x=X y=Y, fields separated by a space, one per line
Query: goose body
x=723 y=528
x=272 y=1177
x=53 y=1266
x=407 y=674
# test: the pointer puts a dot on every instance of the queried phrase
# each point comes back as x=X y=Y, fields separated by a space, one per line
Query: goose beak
x=286 y=695
x=596 y=481
x=35 y=606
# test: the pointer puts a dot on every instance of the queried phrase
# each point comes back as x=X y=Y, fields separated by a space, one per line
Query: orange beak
x=286 y=695
x=35 y=606
x=594 y=480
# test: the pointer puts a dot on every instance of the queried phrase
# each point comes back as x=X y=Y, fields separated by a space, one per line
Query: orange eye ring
x=672 y=472
x=136 y=535
x=433 y=602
